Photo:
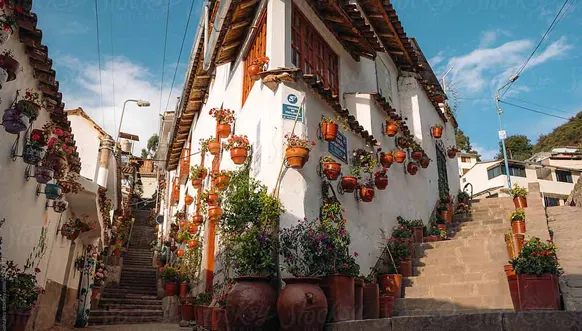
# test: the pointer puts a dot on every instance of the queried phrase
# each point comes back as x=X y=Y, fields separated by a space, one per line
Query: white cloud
x=73 y=28
x=132 y=81
x=437 y=59
x=488 y=38
x=486 y=153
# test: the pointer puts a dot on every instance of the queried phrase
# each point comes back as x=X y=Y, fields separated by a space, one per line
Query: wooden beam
x=386 y=35
x=247 y=4
x=332 y=18
x=231 y=45
x=240 y=24
x=350 y=38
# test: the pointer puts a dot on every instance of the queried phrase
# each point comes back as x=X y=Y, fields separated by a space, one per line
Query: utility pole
x=502 y=133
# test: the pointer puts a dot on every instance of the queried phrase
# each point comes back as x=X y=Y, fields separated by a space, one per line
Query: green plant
x=204 y=144
x=170 y=274
x=253 y=251
x=537 y=258
x=399 y=250
x=204 y=299
x=381 y=173
x=517 y=191
x=293 y=140
x=440 y=219
x=401 y=232
x=355 y=172
x=416 y=223
x=222 y=115
x=364 y=160
x=327 y=159
x=325 y=119
x=443 y=234
x=518 y=215
x=198 y=171
x=442 y=208
x=462 y=195
x=433 y=231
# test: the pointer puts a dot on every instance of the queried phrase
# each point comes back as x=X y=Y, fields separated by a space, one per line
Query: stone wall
x=576 y=195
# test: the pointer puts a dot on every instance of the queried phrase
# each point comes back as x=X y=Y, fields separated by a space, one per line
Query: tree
x=518 y=147
x=463 y=141
x=144 y=153
x=153 y=144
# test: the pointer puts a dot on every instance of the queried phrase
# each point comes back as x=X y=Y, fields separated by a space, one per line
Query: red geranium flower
x=37 y=270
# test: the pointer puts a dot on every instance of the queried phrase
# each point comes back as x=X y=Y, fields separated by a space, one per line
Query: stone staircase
x=565 y=222
x=134 y=299
x=464 y=274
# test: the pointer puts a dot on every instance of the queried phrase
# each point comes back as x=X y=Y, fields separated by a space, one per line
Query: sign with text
x=502 y=134
x=339 y=147
x=292 y=106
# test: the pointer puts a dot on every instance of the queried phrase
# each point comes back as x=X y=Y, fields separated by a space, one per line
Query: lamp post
x=501 y=131
x=140 y=103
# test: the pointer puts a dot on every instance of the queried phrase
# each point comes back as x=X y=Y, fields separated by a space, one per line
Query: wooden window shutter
x=258 y=49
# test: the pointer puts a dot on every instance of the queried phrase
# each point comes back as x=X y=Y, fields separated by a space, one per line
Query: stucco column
x=104 y=152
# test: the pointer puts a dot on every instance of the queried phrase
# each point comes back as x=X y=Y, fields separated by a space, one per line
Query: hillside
x=567 y=134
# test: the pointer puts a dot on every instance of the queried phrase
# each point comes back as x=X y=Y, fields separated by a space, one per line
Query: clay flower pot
x=218 y=319
x=197 y=219
x=386 y=306
x=296 y=157
x=214 y=147
x=520 y=202
x=192 y=228
x=416 y=155
x=188 y=200
x=183 y=289
x=451 y=153
x=302 y=305
x=183 y=224
x=432 y=238
x=223 y=130
x=212 y=199
x=424 y=162
x=214 y=213
x=33 y=154
x=16 y=320
x=10 y=65
x=518 y=227
x=418 y=234
x=196 y=182
x=192 y=243
x=206 y=317
x=329 y=131
x=391 y=129
x=437 y=131
x=371 y=309
x=381 y=182
x=331 y=170
x=386 y=159
x=412 y=168
x=366 y=193
x=405 y=267
x=187 y=312
x=447 y=215
x=252 y=305
x=14 y=121
x=339 y=291
x=222 y=182
x=391 y=284
x=254 y=70
x=238 y=155
x=171 y=289
x=538 y=292
x=401 y=142
x=358 y=299
x=180 y=253
x=349 y=183
x=399 y=156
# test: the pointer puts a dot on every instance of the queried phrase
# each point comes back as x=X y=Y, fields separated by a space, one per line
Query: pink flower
x=345 y=265
x=356 y=254
x=58 y=132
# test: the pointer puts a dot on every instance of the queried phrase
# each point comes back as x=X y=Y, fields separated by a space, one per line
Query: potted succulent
x=7 y=27
x=257 y=66
x=221 y=179
x=20 y=294
x=386 y=159
x=224 y=117
x=452 y=152
x=518 y=221
x=239 y=148
x=381 y=179
x=197 y=174
x=392 y=127
x=329 y=128
x=424 y=161
x=518 y=193
x=537 y=270
x=412 y=168
x=437 y=131
x=331 y=168
x=297 y=152
x=171 y=278
x=301 y=246
x=350 y=183
x=8 y=67
x=399 y=155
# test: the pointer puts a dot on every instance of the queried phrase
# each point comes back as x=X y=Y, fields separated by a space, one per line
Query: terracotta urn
x=252 y=305
x=302 y=305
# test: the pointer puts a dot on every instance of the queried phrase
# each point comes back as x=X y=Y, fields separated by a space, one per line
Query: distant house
x=569 y=157
x=467 y=161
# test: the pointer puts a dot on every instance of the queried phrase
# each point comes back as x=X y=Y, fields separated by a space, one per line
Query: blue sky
x=485 y=41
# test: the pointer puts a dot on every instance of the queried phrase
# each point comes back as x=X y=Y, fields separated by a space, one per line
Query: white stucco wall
x=87 y=138
x=574 y=164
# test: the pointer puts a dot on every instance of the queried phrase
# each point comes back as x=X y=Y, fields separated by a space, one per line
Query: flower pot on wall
x=53 y=191
x=518 y=227
x=339 y=291
x=196 y=182
x=349 y=183
x=223 y=130
x=381 y=182
x=10 y=65
x=254 y=70
x=437 y=131
x=329 y=131
x=238 y=155
x=197 y=219
x=252 y=305
x=302 y=305
x=386 y=306
x=214 y=147
x=391 y=129
x=171 y=289
x=58 y=162
x=520 y=202
x=401 y=142
x=358 y=299
x=14 y=121
x=416 y=155
x=33 y=154
x=386 y=159
x=399 y=156
x=366 y=193
x=331 y=170
x=391 y=284
x=192 y=243
x=371 y=309
x=222 y=182
x=214 y=213
x=296 y=157
x=452 y=153
x=424 y=162
x=538 y=292
x=412 y=168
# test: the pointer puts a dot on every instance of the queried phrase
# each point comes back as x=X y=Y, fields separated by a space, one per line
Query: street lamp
x=140 y=103
x=501 y=133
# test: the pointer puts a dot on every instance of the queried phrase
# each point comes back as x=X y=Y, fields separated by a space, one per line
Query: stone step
x=117 y=295
x=458 y=268
x=127 y=312
x=467 y=305
x=130 y=301
x=484 y=232
x=146 y=291
x=472 y=223
x=122 y=286
x=465 y=278
x=114 y=306
x=454 y=253
x=121 y=319
x=455 y=291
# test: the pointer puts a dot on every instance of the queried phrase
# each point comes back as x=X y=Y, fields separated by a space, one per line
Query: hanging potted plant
x=402 y=142
x=437 y=131
x=7 y=27
x=257 y=66
x=350 y=183
x=53 y=191
x=197 y=174
x=329 y=128
x=416 y=151
x=300 y=245
x=412 y=168
x=519 y=196
x=8 y=67
x=33 y=153
x=452 y=152
x=537 y=270
x=399 y=155
x=197 y=219
x=210 y=144
x=381 y=179
x=193 y=227
x=59 y=206
x=224 y=118
x=210 y=198
x=297 y=152
x=518 y=221
x=367 y=192
x=424 y=161
x=221 y=179
x=25 y=111
x=20 y=294
x=331 y=168
x=57 y=156
x=171 y=278
x=386 y=159
x=188 y=200
x=392 y=127
x=432 y=234
x=239 y=148
x=214 y=213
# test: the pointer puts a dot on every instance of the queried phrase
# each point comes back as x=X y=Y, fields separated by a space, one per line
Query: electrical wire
x=542 y=106
x=112 y=63
x=533 y=110
x=99 y=60
x=180 y=54
x=164 y=57
x=550 y=28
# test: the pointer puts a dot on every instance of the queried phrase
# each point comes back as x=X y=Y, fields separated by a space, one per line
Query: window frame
x=258 y=48
x=567 y=174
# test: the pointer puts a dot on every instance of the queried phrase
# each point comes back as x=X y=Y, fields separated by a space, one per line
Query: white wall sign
x=292 y=105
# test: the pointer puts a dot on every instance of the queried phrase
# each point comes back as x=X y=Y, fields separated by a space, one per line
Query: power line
x=180 y=54
x=536 y=48
x=164 y=57
x=99 y=57
x=533 y=110
x=112 y=63
x=538 y=105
